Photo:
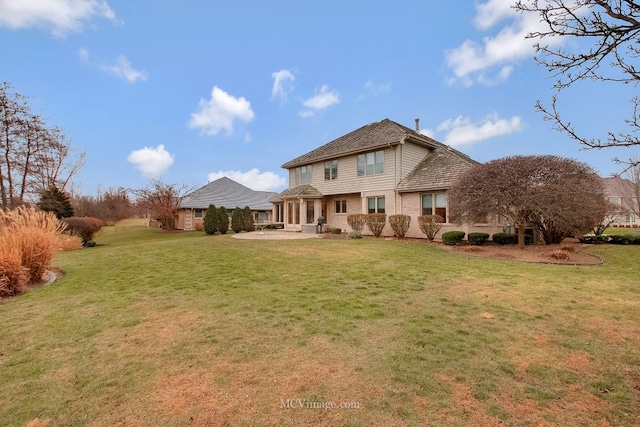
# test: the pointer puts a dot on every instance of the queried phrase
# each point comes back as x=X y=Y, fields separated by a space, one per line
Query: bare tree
x=33 y=157
x=163 y=201
x=613 y=29
x=558 y=197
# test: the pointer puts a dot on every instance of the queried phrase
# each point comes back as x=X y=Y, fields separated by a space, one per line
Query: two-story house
x=623 y=195
x=383 y=167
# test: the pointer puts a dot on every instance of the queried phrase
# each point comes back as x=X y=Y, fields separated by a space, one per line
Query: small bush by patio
x=477 y=239
x=452 y=238
x=355 y=235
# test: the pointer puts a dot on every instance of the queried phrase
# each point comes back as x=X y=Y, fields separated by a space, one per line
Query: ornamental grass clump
x=376 y=222
x=30 y=237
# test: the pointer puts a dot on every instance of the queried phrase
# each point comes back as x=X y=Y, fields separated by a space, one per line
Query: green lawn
x=180 y=329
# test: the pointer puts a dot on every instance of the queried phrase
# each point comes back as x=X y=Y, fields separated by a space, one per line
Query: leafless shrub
x=376 y=223
x=430 y=225
x=400 y=224
x=357 y=221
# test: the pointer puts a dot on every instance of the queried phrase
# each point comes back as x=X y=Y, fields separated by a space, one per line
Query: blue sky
x=193 y=90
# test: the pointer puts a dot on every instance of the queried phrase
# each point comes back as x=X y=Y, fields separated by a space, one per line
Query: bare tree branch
x=613 y=29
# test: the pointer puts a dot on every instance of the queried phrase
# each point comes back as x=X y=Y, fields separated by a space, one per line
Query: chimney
x=417 y=125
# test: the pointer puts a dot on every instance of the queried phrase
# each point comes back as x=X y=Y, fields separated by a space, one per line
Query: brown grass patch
x=156 y=330
x=238 y=393
x=466 y=405
x=37 y=422
x=578 y=362
x=487 y=315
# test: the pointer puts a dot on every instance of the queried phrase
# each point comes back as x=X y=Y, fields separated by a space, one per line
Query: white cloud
x=58 y=16
x=123 y=69
x=219 y=113
x=428 y=132
x=282 y=85
x=152 y=162
x=491 y=61
x=323 y=98
x=254 y=179
x=374 y=89
x=84 y=54
x=462 y=131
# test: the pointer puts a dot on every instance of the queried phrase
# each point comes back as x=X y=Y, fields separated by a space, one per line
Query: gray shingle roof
x=369 y=137
x=228 y=193
x=438 y=170
x=304 y=191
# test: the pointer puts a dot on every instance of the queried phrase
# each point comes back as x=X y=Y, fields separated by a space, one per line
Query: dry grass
x=468 y=249
x=31 y=236
x=558 y=254
x=421 y=336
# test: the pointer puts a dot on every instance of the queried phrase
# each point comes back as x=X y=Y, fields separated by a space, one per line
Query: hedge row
x=625 y=239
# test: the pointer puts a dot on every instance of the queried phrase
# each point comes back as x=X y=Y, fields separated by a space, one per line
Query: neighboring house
x=623 y=194
x=223 y=192
x=382 y=167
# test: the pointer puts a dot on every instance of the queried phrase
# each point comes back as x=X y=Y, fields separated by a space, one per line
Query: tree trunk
x=521 y=236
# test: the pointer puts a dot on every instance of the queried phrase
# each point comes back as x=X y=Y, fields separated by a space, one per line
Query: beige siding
x=410 y=156
x=348 y=180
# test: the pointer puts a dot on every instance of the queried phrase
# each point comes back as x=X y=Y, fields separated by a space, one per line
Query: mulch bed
x=569 y=252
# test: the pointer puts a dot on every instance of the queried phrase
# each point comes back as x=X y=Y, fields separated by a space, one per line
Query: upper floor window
x=371 y=163
x=303 y=175
x=435 y=204
x=330 y=170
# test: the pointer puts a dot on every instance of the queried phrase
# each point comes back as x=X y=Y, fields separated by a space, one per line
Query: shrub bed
x=452 y=238
x=624 y=239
